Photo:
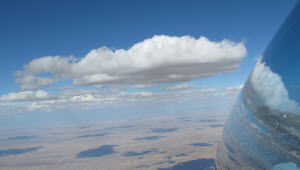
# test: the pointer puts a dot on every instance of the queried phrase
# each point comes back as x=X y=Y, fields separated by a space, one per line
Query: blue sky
x=34 y=29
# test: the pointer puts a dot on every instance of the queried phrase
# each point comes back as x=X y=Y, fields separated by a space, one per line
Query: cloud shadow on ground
x=216 y=125
x=21 y=137
x=93 y=135
x=17 y=151
x=119 y=127
x=149 y=138
x=208 y=120
x=199 y=164
x=97 y=152
x=133 y=153
x=201 y=144
x=164 y=130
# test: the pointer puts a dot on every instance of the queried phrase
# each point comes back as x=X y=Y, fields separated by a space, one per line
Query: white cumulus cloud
x=160 y=59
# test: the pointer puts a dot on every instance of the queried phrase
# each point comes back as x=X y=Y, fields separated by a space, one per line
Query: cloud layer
x=87 y=99
x=160 y=59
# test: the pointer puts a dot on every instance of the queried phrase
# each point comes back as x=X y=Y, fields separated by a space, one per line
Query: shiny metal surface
x=263 y=129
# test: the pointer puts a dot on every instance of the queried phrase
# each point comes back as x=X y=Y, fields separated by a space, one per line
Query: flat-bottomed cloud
x=160 y=59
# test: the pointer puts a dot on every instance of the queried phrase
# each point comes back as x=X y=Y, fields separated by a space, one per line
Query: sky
x=66 y=58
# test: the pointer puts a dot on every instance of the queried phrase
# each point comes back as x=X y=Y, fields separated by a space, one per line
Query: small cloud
x=86 y=97
x=142 y=86
x=145 y=94
x=34 y=106
x=181 y=87
x=235 y=88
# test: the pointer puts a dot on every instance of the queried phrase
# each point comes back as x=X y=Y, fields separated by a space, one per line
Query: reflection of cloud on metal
x=270 y=88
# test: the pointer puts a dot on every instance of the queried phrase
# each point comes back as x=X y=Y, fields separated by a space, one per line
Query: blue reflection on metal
x=263 y=129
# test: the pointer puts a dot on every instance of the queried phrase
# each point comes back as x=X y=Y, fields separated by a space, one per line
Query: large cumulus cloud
x=160 y=59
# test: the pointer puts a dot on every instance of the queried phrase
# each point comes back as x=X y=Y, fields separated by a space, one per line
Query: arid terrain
x=179 y=141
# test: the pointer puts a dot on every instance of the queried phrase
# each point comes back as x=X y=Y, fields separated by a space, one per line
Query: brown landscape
x=148 y=142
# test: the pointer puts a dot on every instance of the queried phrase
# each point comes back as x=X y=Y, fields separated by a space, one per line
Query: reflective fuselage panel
x=263 y=129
